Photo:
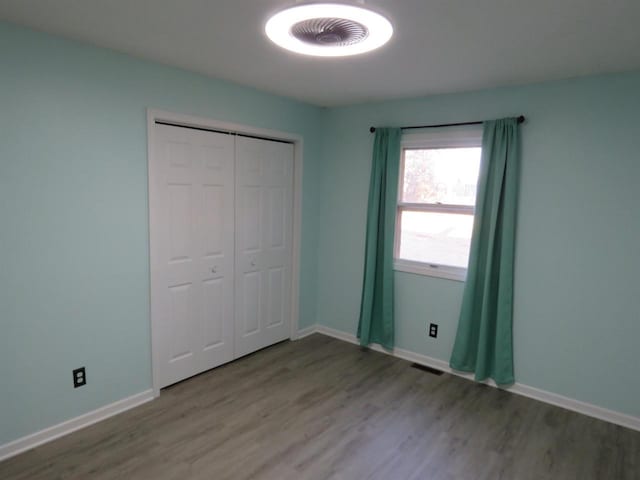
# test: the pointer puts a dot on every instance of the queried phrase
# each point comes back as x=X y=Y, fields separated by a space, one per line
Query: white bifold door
x=264 y=179
x=221 y=238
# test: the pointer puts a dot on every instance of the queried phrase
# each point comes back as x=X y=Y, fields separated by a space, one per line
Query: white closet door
x=264 y=186
x=192 y=238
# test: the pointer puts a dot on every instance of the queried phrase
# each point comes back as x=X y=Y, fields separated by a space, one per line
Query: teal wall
x=74 y=286
x=577 y=294
x=73 y=206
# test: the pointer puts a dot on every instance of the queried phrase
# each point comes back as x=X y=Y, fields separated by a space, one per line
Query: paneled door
x=264 y=202
x=192 y=247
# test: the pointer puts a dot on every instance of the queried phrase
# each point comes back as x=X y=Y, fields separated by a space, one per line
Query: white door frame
x=154 y=115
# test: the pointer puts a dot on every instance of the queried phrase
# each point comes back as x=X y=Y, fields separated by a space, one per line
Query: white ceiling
x=439 y=45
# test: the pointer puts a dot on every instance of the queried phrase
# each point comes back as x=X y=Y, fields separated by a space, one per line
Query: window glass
x=435 y=238
x=441 y=175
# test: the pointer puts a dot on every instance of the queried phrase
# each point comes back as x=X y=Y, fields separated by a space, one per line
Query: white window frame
x=463 y=137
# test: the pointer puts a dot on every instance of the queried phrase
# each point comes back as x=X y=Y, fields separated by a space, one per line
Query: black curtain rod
x=373 y=129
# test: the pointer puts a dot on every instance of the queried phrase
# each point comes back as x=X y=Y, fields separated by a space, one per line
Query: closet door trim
x=159 y=116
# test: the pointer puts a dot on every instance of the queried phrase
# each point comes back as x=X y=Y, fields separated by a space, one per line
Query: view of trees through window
x=437 y=178
x=443 y=175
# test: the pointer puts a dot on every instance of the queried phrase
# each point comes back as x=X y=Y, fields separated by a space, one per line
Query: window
x=436 y=201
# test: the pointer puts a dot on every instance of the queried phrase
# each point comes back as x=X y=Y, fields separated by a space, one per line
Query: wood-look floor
x=320 y=408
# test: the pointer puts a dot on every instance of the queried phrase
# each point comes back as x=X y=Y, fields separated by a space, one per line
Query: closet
x=221 y=247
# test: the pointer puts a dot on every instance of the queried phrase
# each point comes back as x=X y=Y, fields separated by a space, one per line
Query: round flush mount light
x=328 y=29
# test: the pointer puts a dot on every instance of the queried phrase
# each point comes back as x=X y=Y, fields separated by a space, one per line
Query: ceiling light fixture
x=328 y=29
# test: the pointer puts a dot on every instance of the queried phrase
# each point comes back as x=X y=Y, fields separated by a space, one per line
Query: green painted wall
x=577 y=295
x=74 y=286
x=73 y=205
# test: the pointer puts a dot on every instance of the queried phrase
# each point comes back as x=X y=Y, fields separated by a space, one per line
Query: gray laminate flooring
x=320 y=408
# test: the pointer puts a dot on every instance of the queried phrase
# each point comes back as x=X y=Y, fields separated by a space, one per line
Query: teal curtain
x=484 y=340
x=376 y=307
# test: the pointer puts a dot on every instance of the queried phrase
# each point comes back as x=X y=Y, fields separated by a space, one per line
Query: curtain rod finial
x=521 y=119
x=372 y=129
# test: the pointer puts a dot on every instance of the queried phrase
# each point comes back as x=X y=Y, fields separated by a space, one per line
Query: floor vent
x=424 y=368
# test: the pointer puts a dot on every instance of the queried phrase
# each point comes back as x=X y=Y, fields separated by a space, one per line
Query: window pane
x=440 y=238
x=441 y=175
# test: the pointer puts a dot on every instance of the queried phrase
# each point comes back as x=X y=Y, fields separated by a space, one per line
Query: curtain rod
x=373 y=129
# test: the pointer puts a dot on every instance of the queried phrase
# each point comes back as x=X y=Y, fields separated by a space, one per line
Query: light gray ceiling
x=439 y=45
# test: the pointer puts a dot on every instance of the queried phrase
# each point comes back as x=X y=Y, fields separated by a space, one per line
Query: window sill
x=438 y=271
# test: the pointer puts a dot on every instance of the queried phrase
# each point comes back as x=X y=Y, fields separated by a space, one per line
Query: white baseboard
x=591 y=410
x=305 y=332
x=33 y=440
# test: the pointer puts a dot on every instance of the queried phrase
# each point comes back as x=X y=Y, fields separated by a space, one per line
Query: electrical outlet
x=79 y=377
x=433 y=330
